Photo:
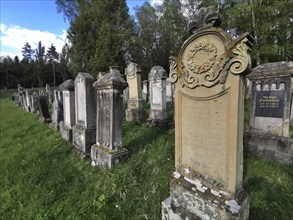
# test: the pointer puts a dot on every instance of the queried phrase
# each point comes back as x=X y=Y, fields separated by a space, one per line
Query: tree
x=52 y=56
x=270 y=22
x=27 y=53
x=64 y=61
x=39 y=62
x=16 y=60
x=145 y=41
x=99 y=35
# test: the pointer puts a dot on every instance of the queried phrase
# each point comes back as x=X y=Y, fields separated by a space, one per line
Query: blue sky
x=33 y=21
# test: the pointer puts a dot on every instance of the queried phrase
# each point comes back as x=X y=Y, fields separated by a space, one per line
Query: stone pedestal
x=209 y=76
x=105 y=159
x=134 y=111
x=65 y=131
x=84 y=131
x=82 y=139
x=108 y=149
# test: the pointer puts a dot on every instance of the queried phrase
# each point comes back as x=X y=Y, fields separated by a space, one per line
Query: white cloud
x=156 y=2
x=14 y=37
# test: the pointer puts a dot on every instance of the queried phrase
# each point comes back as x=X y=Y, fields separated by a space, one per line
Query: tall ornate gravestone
x=27 y=100
x=158 y=114
x=271 y=104
x=209 y=75
x=108 y=149
x=67 y=88
x=134 y=111
x=44 y=115
x=84 y=131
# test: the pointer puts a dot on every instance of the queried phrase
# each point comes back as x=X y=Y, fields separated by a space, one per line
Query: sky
x=32 y=21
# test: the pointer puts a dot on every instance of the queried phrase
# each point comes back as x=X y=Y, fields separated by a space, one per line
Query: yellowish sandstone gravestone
x=208 y=73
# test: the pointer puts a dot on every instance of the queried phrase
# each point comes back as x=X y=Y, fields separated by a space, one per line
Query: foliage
x=35 y=69
x=42 y=179
x=98 y=36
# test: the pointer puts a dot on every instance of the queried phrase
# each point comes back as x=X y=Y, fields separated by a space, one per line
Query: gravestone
x=209 y=76
x=169 y=94
x=134 y=111
x=158 y=114
x=271 y=98
x=44 y=115
x=108 y=149
x=67 y=88
x=57 y=111
x=27 y=101
x=84 y=131
x=145 y=90
x=34 y=102
x=271 y=112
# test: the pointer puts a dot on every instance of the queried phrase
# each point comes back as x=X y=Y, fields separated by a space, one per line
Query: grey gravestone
x=134 y=111
x=158 y=115
x=209 y=74
x=271 y=112
x=66 y=125
x=145 y=90
x=43 y=109
x=57 y=112
x=84 y=131
x=108 y=149
x=271 y=98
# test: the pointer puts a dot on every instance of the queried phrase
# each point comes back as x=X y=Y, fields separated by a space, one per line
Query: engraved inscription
x=270 y=103
x=204 y=135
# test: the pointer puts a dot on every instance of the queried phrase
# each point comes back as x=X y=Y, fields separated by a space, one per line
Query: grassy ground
x=42 y=179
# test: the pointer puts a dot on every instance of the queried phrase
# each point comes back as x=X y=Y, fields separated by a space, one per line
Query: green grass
x=42 y=179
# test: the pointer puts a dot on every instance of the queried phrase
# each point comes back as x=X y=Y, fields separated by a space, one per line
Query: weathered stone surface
x=57 y=114
x=84 y=132
x=271 y=98
x=68 y=110
x=67 y=85
x=145 y=90
x=108 y=149
x=209 y=77
x=272 y=147
x=134 y=111
x=158 y=114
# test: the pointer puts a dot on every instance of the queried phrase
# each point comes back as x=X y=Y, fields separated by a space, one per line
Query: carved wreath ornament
x=200 y=63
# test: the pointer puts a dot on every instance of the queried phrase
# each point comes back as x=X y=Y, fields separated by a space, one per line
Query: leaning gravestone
x=209 y=76
x=84 y=131
x=134 y=111
x=57 y=111
x=44 y=114
x=66 y=125
x=108 y=149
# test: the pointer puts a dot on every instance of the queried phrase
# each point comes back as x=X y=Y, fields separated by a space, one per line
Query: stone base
x=158 y=114
x=190 y=199
x=82 y=139
x=269 y=146
x=162 y=124
x=135 y=115
x=66 y=132
x=54 y=126
x=104 y=158
x=45 y=120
